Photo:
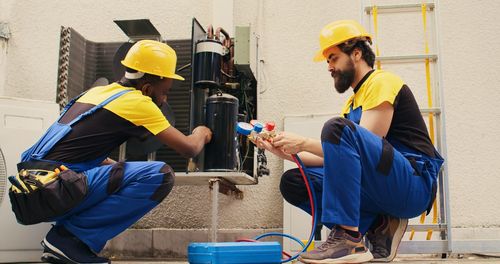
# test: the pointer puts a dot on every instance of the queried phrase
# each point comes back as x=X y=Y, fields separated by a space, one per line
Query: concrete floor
x=414 y=259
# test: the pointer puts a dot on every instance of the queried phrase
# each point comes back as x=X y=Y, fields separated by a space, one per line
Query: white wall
x=5 y=7
x=3 y=63
x=290 y=83
x=470 y=44
x=36 y=28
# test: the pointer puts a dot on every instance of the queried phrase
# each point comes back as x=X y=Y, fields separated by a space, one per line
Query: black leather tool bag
x=50 y=200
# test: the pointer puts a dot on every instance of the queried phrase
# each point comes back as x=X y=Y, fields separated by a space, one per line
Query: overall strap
x=97 y=107
x=68 y=105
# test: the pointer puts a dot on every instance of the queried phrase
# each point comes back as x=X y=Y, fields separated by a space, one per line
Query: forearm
x=312 y=146
x=310 y=159
x=307 y=158
x=197 y=142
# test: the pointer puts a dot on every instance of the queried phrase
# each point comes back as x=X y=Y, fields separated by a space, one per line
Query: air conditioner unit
x=82 y=62
x=22 y=122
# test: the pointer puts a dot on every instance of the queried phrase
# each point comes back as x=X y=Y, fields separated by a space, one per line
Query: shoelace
x=330 y=241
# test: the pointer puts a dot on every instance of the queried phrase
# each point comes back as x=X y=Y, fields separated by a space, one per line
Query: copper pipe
x=210 y=32
x=227 y=39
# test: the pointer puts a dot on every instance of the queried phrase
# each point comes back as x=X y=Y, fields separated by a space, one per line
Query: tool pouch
x=48 y=200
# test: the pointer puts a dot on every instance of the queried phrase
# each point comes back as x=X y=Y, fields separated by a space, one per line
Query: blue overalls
x=365 y=176
x=112 y=203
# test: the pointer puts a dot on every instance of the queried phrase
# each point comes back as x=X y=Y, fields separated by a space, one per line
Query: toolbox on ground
x=234 y=253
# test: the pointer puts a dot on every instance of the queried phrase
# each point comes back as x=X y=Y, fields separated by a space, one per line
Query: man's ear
x=147 y=89
x=357 y=53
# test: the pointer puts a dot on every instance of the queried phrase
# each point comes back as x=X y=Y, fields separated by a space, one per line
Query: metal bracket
x=4 y=30
x=226 y=187
x=262 y=163
x=138 y=29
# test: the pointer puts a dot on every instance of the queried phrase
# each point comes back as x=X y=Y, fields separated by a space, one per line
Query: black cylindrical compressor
x=207 y=63
x=222 y=117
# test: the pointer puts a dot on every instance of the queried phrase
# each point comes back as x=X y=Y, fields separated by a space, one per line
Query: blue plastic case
x=234 y=253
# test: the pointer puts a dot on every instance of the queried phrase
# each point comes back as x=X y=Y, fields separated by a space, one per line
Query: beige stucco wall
x=3 y=63
x=470 y=42
x=291 y=84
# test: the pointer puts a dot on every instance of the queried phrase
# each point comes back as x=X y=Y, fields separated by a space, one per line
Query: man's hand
x=187 y=146
x=204 y=131
x=289 y=143
x=108 y=161
x=265 y=144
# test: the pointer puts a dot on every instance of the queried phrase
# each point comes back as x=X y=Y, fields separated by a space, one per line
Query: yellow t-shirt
x=379 y=87
x=407 y=125
x=129 y=115
x=132 y=106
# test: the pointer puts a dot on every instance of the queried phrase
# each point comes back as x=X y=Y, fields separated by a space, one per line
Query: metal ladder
x=434 y=115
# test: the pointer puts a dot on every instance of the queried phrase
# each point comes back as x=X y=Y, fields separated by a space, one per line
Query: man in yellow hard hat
x=374 y=167
x=115 y=195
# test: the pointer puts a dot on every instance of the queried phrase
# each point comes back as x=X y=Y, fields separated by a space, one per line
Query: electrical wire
x=246 y=153
x=228 y=75
x=183 y=67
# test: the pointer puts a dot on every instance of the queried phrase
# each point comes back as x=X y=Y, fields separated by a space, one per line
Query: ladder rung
x=426 y=227
x=416 y=7
x=431 y=57
x=434 y=110
x=462 y=246
x=476 y=246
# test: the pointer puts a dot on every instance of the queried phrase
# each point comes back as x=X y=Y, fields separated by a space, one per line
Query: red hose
x=311 y=202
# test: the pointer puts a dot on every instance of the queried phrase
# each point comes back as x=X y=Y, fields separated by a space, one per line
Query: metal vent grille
x=62 y=73
x=88 y=61
x=179 y=99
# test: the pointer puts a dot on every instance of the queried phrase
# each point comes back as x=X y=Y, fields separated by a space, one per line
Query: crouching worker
x=98 y=198
x=374 y=167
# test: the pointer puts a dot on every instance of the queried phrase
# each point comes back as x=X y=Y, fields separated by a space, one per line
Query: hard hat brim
x=319 y=56
x=177 y=77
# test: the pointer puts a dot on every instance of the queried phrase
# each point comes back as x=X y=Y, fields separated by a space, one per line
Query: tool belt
x=42 y=191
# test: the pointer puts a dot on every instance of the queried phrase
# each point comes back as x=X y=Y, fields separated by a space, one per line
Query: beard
x=344 y=78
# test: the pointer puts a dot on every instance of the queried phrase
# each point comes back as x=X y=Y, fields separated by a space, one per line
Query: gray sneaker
x=340 y=247
x=386 y=237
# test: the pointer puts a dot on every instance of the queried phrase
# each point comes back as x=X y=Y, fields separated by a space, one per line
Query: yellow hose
x=431 y=118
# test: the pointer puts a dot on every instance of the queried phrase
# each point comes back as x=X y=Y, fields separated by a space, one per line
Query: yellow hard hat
x=337 y=33
x=152 y=57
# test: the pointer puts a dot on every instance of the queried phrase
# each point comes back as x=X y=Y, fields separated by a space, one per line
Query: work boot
x=60 y=246
x=385 y=237
x=340 y=247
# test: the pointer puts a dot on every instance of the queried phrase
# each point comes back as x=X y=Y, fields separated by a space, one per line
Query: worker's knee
x=292 y=187
x=166 y=185
x=333 y=129
x=115 y=179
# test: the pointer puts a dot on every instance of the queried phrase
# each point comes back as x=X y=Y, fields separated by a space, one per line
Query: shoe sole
x=400 y=232
x=51 y=258
x=60 y=255
x=353 y=258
